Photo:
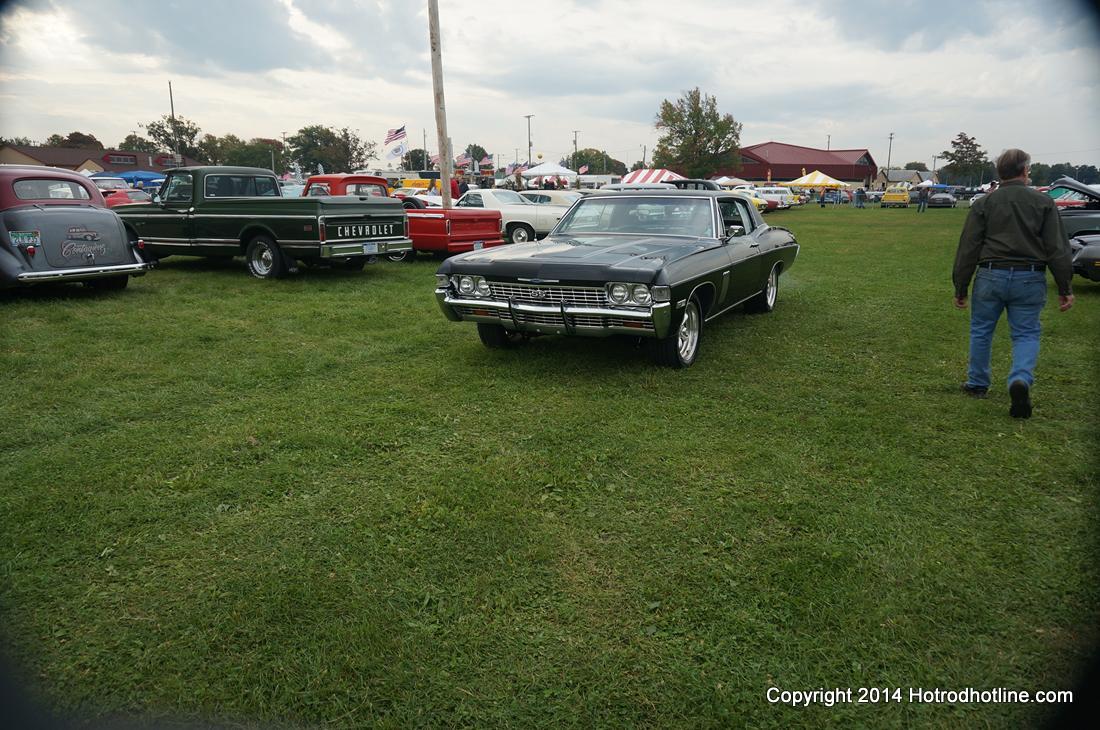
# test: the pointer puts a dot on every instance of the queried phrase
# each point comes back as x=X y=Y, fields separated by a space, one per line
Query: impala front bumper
x=558 y=319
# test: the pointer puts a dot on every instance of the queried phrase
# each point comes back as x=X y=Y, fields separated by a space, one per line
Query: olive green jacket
x=1013 y=224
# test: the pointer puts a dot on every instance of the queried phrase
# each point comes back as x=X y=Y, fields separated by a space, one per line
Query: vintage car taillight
x=139 y=245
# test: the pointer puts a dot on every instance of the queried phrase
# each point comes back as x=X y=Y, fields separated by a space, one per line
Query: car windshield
x=110 y=183
x=510 y=198
x=46 y=189
x=640 y=215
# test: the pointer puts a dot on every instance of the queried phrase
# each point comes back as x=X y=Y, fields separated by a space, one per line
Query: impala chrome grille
x=548 y=295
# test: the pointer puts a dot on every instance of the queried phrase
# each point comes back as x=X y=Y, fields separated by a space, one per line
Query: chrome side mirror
x=734 y=231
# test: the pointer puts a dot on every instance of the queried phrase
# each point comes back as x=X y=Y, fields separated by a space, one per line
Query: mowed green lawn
x=316 y=502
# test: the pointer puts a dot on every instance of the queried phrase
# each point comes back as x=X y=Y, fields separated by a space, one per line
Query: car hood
x=1070 y=184
x=596 y=257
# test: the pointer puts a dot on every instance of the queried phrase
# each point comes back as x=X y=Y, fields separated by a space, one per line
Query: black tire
x=520 y=233
x=496 y=337
x=412 y=204
x=764 y=302
x=264 y=258
x=402 y=256
x=109 y=283
x=355 y=264
x=681 y=347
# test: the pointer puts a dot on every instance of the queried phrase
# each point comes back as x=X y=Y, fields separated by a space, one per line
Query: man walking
x=922 y=199
x=1011 y=236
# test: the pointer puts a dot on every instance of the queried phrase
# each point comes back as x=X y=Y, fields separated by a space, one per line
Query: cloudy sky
x=1011 y=73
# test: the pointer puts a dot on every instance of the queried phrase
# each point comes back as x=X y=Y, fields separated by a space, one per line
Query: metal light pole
x=528 y=116
x=643 y=156
x=575 y=133
x=828 y=141
x=889 y=152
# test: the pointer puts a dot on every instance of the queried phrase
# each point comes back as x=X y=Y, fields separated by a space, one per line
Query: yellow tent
x=817 y=179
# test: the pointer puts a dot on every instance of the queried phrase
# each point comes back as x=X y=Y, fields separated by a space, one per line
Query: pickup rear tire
x=402 y=256
x=520 y=233
x=264 y=258
x=496 y=337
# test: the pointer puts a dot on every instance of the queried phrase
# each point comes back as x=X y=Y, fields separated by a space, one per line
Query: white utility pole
x=440 y=104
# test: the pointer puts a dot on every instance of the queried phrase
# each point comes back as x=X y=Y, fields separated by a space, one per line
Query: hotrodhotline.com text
x=911 y=695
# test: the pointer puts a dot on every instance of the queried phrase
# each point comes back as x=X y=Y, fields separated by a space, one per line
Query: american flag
x=486 y=160
x=393 y=135
x=434 y=159
x=584 y=169
x=463 y=159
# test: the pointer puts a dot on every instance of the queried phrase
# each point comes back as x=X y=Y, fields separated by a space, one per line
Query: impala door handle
x=754 y=244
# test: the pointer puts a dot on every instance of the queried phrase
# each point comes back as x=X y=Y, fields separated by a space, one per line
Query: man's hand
x=960 y=302
x=1065 y=302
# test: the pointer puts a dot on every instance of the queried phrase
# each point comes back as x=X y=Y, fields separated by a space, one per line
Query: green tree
x=74 y=139
x=598 y=161
x=177 y=135
x=696 y=139
x=415 y=160
x=337 y=150
x=476 y=152
x=968 y=163
x=19 y=141
x=257 y=152
x=916 y=166
x=137 y=143
x=639 y=165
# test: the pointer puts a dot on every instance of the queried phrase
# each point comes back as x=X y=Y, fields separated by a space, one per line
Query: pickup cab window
x=366 y=189
x=177 y=189
x=240 y=186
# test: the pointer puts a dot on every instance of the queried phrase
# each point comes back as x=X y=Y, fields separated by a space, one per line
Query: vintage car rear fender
x=70 y=236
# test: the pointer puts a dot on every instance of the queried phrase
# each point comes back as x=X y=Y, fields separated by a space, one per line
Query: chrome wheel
x=773 y=280
x=688 y=336
x=520 y=234
x=263 y=261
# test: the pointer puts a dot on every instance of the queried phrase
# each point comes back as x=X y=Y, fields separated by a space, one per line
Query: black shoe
x=1021 y=400
x=975 y=391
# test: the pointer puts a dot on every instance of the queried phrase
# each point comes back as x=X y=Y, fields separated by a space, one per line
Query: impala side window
x=747 y=220
x=473 y=201
x=731 y=214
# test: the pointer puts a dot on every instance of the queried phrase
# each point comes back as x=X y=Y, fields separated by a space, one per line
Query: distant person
x=1011 y=236
x=821 y=198
x=463 y=186
x=922 y=199
x=860 y=194
x=455 y=195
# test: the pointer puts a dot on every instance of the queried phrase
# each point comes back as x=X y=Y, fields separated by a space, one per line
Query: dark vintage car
x=654 y=264
x=240 y=211
x=54 y=227
x=1084 y=219
x=1086 y=256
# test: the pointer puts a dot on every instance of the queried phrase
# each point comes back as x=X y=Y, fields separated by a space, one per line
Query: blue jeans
x=923 y=204
x=1023 y=294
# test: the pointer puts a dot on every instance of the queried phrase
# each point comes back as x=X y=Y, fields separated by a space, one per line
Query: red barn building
x=781 y=162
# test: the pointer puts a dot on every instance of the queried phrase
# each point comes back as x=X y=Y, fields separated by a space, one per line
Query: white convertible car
x=523 y=220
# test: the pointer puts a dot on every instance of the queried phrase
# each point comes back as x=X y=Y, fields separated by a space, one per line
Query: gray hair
x=1012 y=163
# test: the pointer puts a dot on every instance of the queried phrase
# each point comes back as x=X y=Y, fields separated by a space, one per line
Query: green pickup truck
x=235 y=211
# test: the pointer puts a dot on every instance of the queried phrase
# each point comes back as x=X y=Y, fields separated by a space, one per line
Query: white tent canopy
x=651 y=176
x=925 y=184
x=549 y=169
x=730 y=181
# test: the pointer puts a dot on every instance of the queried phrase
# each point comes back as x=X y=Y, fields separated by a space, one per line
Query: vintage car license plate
x=25 y=238
x=370 y=248
x=478 y=245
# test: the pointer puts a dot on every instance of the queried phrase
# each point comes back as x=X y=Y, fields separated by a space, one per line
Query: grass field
x=316 y=502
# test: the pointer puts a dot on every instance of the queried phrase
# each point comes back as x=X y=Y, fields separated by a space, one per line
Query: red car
x=125 y=197
x=431 y=229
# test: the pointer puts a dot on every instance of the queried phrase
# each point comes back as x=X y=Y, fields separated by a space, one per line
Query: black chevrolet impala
x=656 y=264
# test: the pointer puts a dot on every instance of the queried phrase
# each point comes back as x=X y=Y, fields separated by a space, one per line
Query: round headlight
x=640 y=294
x=482 y=286
x=619 y=293
x=466 y=284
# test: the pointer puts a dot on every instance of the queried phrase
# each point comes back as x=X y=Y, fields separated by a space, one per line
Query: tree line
x=696 y=140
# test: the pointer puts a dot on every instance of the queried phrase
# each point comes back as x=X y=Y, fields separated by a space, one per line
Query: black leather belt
x=1009 y=266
